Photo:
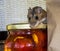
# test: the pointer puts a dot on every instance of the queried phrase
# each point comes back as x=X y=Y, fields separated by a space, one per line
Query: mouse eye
x=29 y=18
x=36 y=17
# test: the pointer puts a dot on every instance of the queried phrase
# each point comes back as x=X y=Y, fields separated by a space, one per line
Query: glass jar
x=23 y=38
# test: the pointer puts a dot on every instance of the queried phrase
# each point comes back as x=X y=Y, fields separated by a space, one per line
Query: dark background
x=3 y=35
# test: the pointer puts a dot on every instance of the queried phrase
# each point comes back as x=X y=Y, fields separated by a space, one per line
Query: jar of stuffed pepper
x=22 y=38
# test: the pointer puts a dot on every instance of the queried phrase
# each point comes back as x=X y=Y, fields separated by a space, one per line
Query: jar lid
x=24 y=26
x=18 y=26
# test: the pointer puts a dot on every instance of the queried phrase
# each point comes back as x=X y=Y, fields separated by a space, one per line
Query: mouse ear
x=29 y=10
x=38 y=10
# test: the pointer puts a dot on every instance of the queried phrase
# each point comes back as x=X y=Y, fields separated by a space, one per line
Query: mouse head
x=36 y=14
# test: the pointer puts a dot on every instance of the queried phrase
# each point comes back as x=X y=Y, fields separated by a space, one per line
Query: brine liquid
x=26 y=40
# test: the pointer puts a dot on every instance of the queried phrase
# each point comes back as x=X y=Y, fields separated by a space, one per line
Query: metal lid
x=24 y=26
x=18 y=26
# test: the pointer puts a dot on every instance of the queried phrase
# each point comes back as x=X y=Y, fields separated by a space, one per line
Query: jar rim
x=23 y=26
x=18 y=26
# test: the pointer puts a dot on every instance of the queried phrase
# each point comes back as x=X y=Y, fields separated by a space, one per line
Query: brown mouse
x=36 y=16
